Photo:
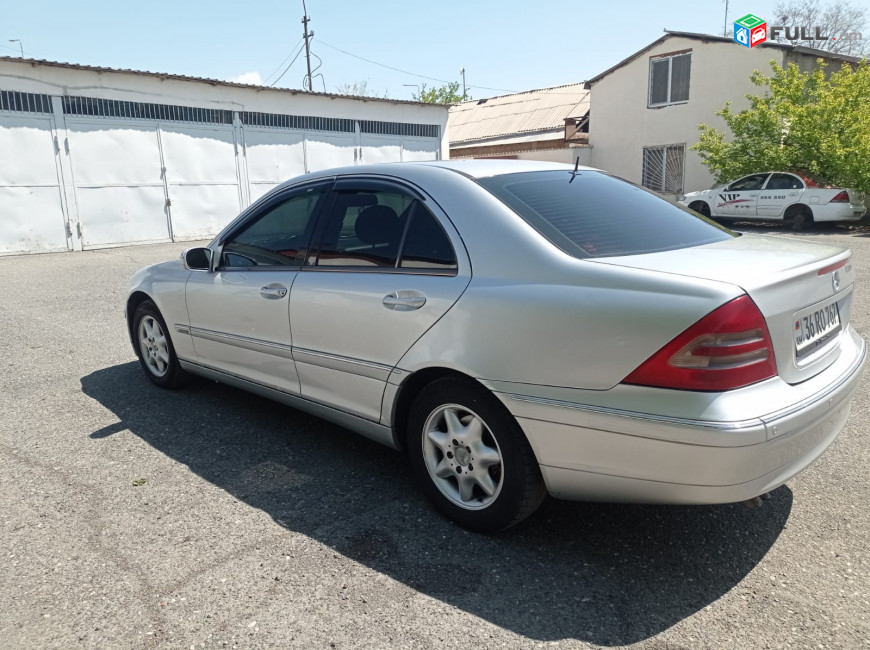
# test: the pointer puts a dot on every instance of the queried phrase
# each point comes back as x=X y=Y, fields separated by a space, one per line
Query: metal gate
x=118 y=179
x=31 y=195
x=202 y=178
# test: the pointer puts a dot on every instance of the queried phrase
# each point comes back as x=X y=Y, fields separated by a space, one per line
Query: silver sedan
x=519 y=329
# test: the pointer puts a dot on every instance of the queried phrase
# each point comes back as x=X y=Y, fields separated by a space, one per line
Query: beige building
x=645 y=110
x=549 y=124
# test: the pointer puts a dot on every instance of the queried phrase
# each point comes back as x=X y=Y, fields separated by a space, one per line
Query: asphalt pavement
x=132 y=517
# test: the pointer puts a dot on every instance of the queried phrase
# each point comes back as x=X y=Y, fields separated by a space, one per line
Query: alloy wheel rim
x=154 y=347
x=462 y=457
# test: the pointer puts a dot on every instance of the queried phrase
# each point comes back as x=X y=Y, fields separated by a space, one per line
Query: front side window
x=663 y=168
x=597 y=215
x=748 y=183
x=278 y=236
x=669 y=79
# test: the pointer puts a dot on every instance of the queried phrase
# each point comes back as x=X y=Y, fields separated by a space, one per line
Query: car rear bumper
x=838 y=212
x=595 y=453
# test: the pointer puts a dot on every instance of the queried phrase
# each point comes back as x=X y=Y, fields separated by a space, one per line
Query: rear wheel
x=470 y=456
x=154 y=347
x=800 y=218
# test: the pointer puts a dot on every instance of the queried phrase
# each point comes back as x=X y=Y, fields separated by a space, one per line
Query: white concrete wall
x=621 y=125
x=52 y=80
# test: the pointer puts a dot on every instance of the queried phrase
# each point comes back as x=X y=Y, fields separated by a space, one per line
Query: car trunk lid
x=804 y=291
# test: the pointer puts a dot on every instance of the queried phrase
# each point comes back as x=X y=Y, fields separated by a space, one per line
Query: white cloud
x=252 y=78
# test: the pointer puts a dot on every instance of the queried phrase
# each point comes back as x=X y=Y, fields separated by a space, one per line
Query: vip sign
x=750 y=30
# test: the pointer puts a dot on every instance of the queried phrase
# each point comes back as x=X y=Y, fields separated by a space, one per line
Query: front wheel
x=471 y=458
x=701 y=208
x=154 y=347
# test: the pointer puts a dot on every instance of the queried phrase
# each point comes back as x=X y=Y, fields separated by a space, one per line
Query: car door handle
x=404 y=300
x=273 y=292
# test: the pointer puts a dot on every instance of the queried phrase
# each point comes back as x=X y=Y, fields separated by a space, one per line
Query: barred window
x=302 y=122
x=11 y=100
x=343 y=125
x=144 y=110
x=663 y=168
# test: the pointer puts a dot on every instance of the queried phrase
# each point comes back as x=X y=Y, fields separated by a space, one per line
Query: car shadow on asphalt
x=605 y=574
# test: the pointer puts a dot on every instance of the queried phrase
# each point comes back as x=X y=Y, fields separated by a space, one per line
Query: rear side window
x=598 y=215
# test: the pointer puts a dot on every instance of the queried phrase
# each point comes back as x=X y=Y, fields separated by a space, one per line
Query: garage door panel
x=118 y=215
x=196 y=155
x=113 y=154
x=326 y=150
x=273 y=156
x=31 y=220
x=201 y=211
x=380 y=149
x=420 y=149
x=28 y=156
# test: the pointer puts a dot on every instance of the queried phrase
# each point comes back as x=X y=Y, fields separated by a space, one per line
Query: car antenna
x=575 y=173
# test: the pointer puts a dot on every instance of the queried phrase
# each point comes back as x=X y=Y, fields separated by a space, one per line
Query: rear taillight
x=728 y=348
x=842 y=197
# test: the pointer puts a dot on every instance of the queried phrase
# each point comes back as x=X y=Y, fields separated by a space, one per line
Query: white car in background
x=796 y=198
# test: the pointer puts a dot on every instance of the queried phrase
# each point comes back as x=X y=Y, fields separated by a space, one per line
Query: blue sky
x=503 y=46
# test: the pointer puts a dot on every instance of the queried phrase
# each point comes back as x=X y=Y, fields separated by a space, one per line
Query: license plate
x=814 y=328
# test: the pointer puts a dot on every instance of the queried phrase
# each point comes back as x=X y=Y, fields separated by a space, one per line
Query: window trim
x=670 y=58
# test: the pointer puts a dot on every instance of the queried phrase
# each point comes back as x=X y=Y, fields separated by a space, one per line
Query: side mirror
x=197 y=259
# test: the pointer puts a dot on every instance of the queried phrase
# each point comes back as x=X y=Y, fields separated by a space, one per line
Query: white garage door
x=272 y=157
x=118 y=181
x=31 y=200
x=202 y=178
x=421 y=149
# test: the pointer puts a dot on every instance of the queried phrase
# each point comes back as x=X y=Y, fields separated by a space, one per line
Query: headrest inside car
x=378 y=224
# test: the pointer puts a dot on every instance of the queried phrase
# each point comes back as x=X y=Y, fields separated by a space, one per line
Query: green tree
x=446 y=94
x=805 y=121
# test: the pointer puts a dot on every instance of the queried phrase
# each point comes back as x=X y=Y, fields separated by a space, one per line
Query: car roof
x=481 y=168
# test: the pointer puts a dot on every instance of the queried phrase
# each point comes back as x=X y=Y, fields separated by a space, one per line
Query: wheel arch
x=135 y=299
x=795 y=208
x=408 y=391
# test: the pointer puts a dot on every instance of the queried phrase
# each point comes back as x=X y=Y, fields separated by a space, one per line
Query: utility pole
x=306 y=35
x=725 y=24
x=462 y=72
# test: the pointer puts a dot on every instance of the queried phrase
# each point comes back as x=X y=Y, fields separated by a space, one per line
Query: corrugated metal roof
x=534 y=110
x=211 y=82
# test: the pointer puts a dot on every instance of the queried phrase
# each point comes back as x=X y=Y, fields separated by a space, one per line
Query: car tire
x=154 y=348
x=455 y=423
x=801 y=219
x=701 y=208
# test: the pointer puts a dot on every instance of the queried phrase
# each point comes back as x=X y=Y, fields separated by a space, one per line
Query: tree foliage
x=805 y=121
x=358 y=89
x=446 y=94
x=842 y=21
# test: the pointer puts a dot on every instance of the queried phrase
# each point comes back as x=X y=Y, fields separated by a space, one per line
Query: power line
x=421 y=76
x=279 y=66
x=288 y=67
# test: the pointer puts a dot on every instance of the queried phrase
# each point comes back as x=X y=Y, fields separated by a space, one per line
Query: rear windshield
x=598 y=215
